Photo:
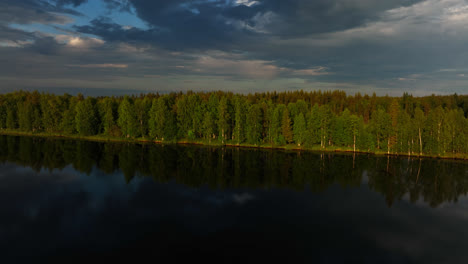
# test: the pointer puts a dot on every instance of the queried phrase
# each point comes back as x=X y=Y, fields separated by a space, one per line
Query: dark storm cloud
x=14 y=35
x=45 y=46
x=259 y=28
x=301 y=17
x=174 y=24
x=210 y=24
x=110 y=31
x=39 y=11
x=75 y=3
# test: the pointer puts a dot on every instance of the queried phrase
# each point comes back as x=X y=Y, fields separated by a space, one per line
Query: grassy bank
x=215 y=143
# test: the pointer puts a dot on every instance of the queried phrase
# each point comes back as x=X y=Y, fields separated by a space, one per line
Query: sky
x=115 y=47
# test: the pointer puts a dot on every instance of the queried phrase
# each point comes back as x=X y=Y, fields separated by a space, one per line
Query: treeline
x=432 y=125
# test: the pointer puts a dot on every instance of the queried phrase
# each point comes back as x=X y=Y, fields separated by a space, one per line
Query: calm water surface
x=67 y=201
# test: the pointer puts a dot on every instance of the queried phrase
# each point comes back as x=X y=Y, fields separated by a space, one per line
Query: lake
x=73 y=201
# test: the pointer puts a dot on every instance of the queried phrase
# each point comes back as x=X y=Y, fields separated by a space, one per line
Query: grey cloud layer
x=394 y=45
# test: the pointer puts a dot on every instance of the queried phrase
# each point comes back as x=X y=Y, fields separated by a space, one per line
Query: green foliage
x=275 y=130
x=68 y=125
x=342 y=129
x=253 y=124
x=239 y=119
x=286 y=130
x=3 y=115
x=208 y=126
x=418 y=127
x=313 y=126
x=325 y=118
x=142 y=107
x=162 y=123
x=157 y=118
x=300 y=129
x=223 y=118
x=25 y=116
x=107 y=112
x=85 y=119
x=127 y=120
x=433 y=125
x=381 y=126
x=11 y=115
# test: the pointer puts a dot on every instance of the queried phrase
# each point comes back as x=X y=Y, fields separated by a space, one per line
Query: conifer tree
x=286 y=126
x=253 y=124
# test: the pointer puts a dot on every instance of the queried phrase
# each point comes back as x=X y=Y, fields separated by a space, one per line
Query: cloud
x=75 y=3
x=318 y=71
x=79 y=42
x=34 y=11
x=245 y=68
x=337 y=44
x=104 y=65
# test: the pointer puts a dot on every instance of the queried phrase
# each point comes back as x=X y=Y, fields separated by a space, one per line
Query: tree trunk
x=420 y=142
x=354 y=144
x=388 y=146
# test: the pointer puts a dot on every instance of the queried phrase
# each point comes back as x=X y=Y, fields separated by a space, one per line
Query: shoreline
x=289 y=147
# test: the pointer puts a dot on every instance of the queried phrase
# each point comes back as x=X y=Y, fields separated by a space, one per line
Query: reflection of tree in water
x=429 y=180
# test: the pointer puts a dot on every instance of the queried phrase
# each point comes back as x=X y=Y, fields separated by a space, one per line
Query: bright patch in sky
x=97 y=8
x=246 y=2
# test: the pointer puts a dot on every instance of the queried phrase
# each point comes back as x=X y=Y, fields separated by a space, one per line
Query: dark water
x=75 y=201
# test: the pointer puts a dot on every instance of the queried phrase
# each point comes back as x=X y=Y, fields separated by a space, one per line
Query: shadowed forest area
x=431 y=125
x=430 y=180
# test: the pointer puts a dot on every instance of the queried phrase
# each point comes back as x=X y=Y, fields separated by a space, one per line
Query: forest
x=330 y=120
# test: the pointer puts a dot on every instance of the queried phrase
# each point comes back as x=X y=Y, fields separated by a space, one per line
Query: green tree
x=208 y=126
x=342 y=130
x=313 y=126
x=223 y=118
x=286 y=130
x=51 y=112
x=68 y=125
x=275 y=125
x=127 y=120
x=300 y=129
x=162 y=123
x=11 y=115
x=325 y=117
x=455 y=131
x=239 y=119
x=107 y=112
x=355 y=126
x=434 y=141
x=85 y=119
x=418 y=126
x=157 y=118
x=25 y=116
x=3 y=115
x=381 y=124
x=142 y=107
x=404 y=133
x=253 y=124
x=394 y=112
